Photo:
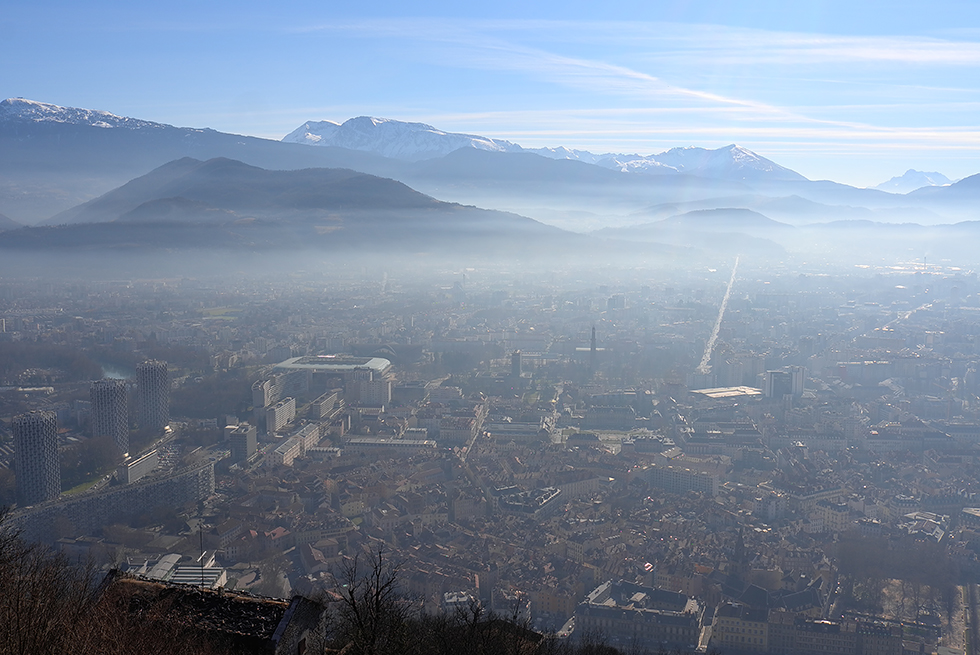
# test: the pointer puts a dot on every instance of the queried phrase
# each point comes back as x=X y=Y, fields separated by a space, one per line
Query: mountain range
x=911 y=180
x=418 y=141
x=101 y=180
x=53 y=158
x=223 y=205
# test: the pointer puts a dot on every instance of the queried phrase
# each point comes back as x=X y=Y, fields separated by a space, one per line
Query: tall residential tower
x=110 y=411
x=153 y=387
x=36 y=455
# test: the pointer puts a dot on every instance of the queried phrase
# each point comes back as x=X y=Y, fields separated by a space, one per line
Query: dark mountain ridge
x=232 y=185
x=226 y=204
x=8 y=223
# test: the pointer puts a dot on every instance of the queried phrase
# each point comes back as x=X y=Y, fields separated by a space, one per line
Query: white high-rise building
x=110 y=411
x=280 y=414
x=153 y=387
x=36 y=456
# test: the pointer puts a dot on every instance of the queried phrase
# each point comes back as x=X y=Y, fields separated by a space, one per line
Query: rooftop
x=255 y=619
x=717 y=393
x=336 y=363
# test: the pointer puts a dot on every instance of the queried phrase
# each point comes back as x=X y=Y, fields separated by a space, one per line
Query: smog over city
x=507 y=329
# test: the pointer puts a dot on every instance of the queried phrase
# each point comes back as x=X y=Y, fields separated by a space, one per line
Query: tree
x=951 y=602
x=8 y=488
x=87 y=461
x=48 y=606
x=42 y=597
x=272 y=571
x=371 y=620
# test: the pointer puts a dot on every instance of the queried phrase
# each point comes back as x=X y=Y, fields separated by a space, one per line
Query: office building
x=153 y=387
x=110 y=412
x=374 y=393
x=36 y=456
x=789 y=381
x=268 y=391
x=135 y=469
x=280 y=414
x=628 y=613
x=243 y=442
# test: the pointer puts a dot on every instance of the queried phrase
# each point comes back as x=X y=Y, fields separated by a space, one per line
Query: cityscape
x=790 y=470
x=548 y=328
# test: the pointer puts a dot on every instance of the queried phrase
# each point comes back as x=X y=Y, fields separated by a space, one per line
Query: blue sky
x=853 y=91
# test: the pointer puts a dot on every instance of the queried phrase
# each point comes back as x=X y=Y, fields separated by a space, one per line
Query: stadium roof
x=334 y=363
x=728 y=392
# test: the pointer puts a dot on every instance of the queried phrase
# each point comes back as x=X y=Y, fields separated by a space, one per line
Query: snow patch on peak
x=561 y=152
x=635 y=164
x=312 y=132
x=42 y=112
x=911 y=180
x=322 y=125
x=392 y=138
x=739 y=153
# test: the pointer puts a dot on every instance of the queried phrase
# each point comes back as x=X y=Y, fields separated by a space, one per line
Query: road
x=973 y=627
x=830 y=609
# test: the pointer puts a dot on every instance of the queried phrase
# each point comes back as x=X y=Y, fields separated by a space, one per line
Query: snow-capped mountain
x=561 y=152
x=729 y=161
x=418 y=141
x=391 y=138
x=42 y=112
x=912 y=180
x=635 y=164
x=313 y=133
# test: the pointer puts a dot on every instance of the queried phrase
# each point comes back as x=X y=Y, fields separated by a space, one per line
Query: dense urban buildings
x=815 y=485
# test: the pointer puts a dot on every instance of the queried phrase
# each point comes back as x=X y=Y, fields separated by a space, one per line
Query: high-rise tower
x=153 y=387
x=36 y=456
x=592 y=352
x=110 y=411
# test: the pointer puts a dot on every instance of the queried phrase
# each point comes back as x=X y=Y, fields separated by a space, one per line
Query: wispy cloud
x=644 y=86
x=717 y=43
x=468 y=47
x=464 y=46
x=735 y=47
